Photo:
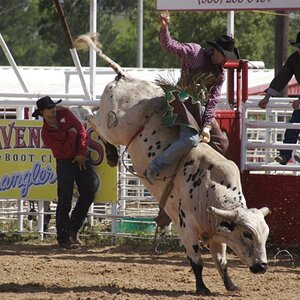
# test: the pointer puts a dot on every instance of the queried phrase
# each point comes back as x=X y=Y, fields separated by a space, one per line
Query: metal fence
x=135 y=208
x=263 y=134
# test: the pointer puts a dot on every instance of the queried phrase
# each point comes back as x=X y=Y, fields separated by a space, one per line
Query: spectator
x=64 y=134
x=289 y=69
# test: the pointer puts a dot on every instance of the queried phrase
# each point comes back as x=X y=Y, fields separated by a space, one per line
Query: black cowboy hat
x=42 y=103
x=225 y=45
x=297 y=43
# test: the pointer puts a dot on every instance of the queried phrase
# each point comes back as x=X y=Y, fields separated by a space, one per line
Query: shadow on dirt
x=110 y=289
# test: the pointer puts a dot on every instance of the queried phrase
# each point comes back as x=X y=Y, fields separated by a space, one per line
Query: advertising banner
x=227 y=4
x=28 y=168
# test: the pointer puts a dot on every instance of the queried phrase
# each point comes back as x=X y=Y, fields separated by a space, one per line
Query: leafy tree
x=202 y=26
x=255 y=36
x=294 y=27
x=19 y=31
x=35 y=36
x=109 y=15
x=51 y=30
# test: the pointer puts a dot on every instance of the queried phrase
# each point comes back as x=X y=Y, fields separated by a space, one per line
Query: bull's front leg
x=218 y=253
x=189 y=237
x=201 y=288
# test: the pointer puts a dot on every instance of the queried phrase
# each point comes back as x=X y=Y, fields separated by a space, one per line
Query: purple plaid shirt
x=195 y=59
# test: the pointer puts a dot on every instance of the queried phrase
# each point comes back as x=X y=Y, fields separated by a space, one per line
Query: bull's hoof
x=232 y=288
x=203 y=292
x=229 y=285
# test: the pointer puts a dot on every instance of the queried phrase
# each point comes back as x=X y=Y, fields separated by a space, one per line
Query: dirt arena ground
x=43 y=271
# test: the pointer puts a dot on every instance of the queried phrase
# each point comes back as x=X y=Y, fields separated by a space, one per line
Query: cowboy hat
x=225 y=45
x=42 y=103
x=297 y=43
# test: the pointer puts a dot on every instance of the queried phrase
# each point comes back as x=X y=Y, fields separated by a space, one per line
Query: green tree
x=18 y=27
x=294 y=27
x=255 y=36
x=34 y=34
x=111 y=15
x=199 y=27
x=51 y=30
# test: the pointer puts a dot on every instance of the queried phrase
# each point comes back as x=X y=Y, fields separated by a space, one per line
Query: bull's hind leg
x=218 y=253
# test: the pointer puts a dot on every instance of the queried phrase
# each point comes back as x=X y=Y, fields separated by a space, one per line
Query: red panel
x=26 y=113
x=282 y=195
x=229 y=121
x=244 y=82
x=294 y=90
x=230 y=86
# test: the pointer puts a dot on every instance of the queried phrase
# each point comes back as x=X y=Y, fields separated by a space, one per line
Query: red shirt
x=65 y=144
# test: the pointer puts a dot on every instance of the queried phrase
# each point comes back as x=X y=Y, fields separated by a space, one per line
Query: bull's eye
x=248 y=235
x=229 y=226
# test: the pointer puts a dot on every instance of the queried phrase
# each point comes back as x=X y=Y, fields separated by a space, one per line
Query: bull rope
x=170 y=185
x=168 y=188
x=139 y=131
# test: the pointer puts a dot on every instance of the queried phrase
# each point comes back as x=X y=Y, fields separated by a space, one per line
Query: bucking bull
x=205 y=202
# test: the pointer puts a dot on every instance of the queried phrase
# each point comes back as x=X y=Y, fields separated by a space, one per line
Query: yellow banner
x=28 y=169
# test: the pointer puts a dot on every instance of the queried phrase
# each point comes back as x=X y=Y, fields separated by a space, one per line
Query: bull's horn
x=265 y=211
x=227 y=214
x=85 y=41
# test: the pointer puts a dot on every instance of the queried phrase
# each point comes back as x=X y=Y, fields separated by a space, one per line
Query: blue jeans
x=291 y=135
x=188 y=138
x=87 y=182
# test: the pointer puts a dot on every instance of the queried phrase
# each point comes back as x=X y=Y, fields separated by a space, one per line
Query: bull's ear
x=265 y=211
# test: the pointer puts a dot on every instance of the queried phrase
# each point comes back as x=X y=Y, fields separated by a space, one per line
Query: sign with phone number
x=227 y=4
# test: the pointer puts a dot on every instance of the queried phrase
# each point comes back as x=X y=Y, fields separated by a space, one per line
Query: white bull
x=206 y=204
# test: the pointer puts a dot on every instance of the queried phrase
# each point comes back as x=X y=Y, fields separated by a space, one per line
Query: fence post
x=20 y=216
x=41 y=216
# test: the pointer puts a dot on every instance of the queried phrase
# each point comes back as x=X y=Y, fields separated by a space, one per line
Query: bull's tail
x=84 y=41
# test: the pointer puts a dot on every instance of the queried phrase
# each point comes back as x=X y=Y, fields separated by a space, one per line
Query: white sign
x=227 y=4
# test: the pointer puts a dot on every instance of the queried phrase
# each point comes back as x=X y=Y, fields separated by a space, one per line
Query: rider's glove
x=205 y=134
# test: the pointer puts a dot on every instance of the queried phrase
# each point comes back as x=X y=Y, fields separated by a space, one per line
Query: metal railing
x=262 y=136
x=133 y=201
